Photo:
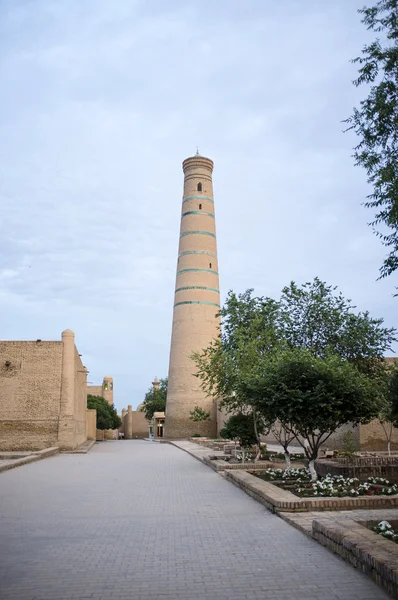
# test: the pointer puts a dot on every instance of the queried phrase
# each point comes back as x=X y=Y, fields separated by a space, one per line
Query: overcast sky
x=101 y=101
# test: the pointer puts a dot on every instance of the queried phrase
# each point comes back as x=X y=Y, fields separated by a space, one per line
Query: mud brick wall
x=30 y=389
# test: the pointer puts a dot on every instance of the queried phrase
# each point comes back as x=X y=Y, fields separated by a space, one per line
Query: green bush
x=107 y=417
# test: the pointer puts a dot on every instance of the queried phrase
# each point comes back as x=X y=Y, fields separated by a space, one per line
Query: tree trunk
x=389 y=447
x=257 y=437
x=311 y=467
x=287 y=459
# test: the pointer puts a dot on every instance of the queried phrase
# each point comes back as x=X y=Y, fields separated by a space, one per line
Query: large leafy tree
x=246 y=428
x=314 y=319
x=313 y=395
x=376 y=124
x=155 y=399
x=250 y=331
x=317 y=317
x=107 y=417
x=313 y=316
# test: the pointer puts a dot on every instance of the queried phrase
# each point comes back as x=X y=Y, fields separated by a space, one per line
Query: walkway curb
x=35 y=456
x=83 y=449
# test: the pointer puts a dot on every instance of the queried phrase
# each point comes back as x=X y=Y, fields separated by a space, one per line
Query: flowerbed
x=385 y=529
x=283 y=474
x=298 y=481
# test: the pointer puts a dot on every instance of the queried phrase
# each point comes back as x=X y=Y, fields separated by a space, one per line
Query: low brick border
x=18 y=462
x=376 y=556
x=279 y=500
x=218 y=465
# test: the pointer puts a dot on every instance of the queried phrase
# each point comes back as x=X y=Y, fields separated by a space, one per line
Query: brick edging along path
x=279 y=500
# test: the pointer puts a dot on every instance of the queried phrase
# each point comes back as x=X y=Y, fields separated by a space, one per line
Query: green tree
x=313 y=395
x=107 y=417
x=155 y=399
x=284 y=435
x=313 y=316
x=317 y=317
x=249 y=333
x=246 y=428
x=376 y=124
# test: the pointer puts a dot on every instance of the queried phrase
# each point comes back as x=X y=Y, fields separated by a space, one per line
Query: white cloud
x=100 y=104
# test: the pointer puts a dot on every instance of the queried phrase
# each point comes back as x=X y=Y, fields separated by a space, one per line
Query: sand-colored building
x=134 y=424
x=105 y=390
x=43 y=401
x=196 y=302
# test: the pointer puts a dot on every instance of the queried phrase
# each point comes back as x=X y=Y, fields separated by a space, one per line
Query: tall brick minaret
x=196 y=302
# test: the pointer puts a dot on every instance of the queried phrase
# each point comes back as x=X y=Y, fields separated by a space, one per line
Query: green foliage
x=313 y=316
x=348 y=445
x=249 y=332
x=317 y=317
x=155 y=399
x=376 y=124
x=107 y=417
x=240 y=427
x=315 y=395
x=198 y=415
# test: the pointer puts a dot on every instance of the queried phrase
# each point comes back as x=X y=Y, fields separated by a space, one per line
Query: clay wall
x=136 y=426
x=42 y=395
x=91 y=423
x=94 y=390
x=80 y=407
x=140 y=425
x=372 y=436
x=30 y=389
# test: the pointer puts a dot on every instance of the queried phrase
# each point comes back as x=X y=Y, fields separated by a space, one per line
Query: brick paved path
x=135 y=520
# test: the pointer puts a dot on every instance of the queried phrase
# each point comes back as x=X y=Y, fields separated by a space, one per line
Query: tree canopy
x=155 y=399
x=107 y=417
x=376 y=124
x=308 y=361
x=313 y=316
x=312 y=396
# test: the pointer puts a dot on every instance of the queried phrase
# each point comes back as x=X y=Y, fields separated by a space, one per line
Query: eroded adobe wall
x=80 y=409
x=91 y=423
x=30 y=387
x=140 y=425
x=372 y=437
x=94 y=390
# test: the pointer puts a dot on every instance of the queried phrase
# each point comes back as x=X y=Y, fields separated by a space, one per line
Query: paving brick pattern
x=133 y=520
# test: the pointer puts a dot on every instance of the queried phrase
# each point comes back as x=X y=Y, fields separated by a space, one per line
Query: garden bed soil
x=279 y=500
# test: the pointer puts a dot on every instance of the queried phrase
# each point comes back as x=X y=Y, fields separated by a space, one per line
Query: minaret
x=107 y=389
x=196 y=302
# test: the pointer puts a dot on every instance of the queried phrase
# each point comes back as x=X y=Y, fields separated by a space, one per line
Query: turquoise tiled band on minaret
x=196 y=252
x=197 y=287
x=197 y=232
x=197 y=302
x=197 y=198
x=203 y=271
x=198 y=212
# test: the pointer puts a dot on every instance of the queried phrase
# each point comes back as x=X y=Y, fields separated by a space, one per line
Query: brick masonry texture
x=374 y=555
x=30 y=394
x=42 y=395
x=279 y=500
x=140 y=520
